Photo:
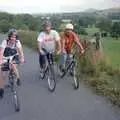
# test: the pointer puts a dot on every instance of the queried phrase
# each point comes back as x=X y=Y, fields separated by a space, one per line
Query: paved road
x=37 y=103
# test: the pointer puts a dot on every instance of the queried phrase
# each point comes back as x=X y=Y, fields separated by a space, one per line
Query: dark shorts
x=5 y=66
x=9 y=52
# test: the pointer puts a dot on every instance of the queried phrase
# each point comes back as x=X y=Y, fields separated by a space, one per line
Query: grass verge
x=101 y=77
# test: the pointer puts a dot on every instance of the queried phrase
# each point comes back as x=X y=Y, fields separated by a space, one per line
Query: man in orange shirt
x=68 y=38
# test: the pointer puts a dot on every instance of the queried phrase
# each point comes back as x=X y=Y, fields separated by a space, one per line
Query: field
x=112 y=51
x=91 y=31
x=111 y=48
x=103 y=79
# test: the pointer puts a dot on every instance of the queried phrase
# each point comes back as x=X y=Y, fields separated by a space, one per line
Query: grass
x=111 y=48
x=91 y=31
x=112 y=51
x=101 y=77
x=29 y=38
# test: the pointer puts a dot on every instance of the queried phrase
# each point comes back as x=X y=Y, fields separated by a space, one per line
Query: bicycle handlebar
x=8 y=60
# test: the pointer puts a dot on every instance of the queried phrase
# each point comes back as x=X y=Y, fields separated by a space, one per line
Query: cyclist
x=47 y=40
x=68 y=38
x=10 y=46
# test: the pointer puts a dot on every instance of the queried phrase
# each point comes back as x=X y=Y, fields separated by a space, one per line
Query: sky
x=54 y=6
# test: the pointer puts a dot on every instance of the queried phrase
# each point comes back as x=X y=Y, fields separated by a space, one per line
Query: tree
x=115 y=30
x=104 y=25
x=80 y=30
x=5 y=26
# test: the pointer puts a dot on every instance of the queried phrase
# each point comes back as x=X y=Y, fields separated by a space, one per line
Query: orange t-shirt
x=69 y=39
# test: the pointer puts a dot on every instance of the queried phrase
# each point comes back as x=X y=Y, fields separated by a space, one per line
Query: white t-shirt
x=4 y=44
x=48 y=41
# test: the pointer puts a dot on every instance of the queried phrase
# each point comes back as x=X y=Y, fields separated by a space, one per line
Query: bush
x=4 y=26
x=29 y=38
x=103 y=79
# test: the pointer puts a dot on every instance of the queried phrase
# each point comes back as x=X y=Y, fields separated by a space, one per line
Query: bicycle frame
x=48 y=61
x=13 y=85
x=68 y=65
x=48 y=71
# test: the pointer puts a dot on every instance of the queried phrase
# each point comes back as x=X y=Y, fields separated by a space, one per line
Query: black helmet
x=47 y=23
x=12 y=32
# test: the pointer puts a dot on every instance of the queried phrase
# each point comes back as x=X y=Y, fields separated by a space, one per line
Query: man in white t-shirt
x=9 y=47
x=47 y=40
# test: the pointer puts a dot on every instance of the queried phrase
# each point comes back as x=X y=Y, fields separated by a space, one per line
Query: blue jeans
x=63 y=59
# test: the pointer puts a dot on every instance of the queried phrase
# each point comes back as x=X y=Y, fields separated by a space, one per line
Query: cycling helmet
x=47 y=23
x=12 y=32
x=69 y=26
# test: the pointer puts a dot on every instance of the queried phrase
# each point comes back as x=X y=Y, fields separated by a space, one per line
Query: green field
x=111 y=48
x=112 y=51
x=91 y=31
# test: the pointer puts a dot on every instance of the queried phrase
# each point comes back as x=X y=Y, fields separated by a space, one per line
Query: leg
x=70 y=57
x=41 y=60
x=62 y=60
x=2 y=76
x=16 y=59
x=15 y=69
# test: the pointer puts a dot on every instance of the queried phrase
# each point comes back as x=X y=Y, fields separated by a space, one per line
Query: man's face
x=47 y=28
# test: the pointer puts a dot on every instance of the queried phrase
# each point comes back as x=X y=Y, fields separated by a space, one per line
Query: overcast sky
x=50 y=6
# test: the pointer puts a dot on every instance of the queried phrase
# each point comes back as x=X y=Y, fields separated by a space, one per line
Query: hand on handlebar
x=58 y=52
x=82 y=52
x=1 y=61
x=22 y=60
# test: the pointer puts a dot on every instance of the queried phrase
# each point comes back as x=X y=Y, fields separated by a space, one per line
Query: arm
x=39 y=40
x=39 y=47
x=1 y=55
x=63 y=45
x=20 y=52
x=77 y=40
x=59 y=46
x=57 y=38
x=2 y=48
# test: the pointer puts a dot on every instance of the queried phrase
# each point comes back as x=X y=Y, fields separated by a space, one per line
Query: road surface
x=37 y=103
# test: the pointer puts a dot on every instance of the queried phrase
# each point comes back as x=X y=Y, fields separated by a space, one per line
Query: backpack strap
x=15 y=43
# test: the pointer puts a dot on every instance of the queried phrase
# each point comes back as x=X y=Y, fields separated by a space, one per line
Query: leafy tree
x=104 y=25
x=4 y=26
x=115 y=30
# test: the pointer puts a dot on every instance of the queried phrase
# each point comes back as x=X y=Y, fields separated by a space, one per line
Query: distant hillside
x=91 y=10
x=112 y=13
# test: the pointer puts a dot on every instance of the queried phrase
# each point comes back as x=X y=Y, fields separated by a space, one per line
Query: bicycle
x=12 y=81
x=71 y=67
x=48 y=70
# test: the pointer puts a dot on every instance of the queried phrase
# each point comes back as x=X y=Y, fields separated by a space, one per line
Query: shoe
x=61 y=71
x=1 y=93
x=71 y=73
x=18 y=82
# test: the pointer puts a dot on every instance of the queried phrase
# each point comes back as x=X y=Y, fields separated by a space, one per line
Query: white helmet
x=69 y=26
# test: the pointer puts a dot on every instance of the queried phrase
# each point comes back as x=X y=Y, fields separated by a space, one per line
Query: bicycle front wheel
x=17 y=102
x=51 y=79
x=75 y=78
x=14 y=89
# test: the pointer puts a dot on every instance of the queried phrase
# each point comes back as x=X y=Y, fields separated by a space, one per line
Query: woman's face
x=13 y=39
